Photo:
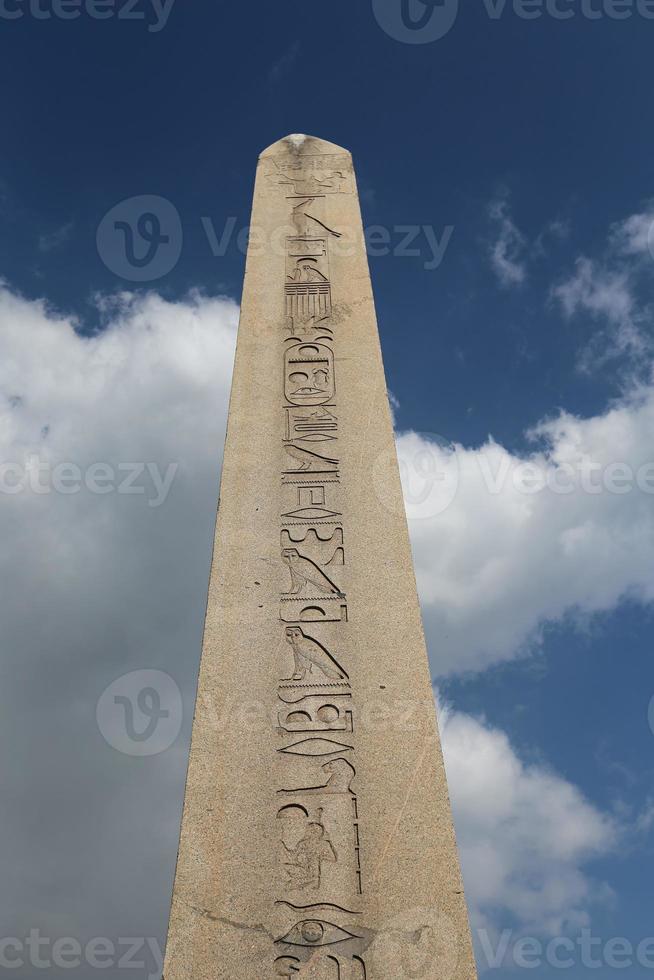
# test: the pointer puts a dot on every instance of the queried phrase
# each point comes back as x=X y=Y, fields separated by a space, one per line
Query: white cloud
x=516 y=543
x=525 y=834
x=596 y=290
x=607 y=293
x=394 y=403
x=610 y=291
x=507 y=252
x=635 y=235
x=96 y=585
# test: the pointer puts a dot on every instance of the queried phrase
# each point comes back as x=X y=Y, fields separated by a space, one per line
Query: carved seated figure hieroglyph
x=305 y=860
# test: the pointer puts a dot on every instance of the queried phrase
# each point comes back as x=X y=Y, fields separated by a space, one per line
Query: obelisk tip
x=300 y=144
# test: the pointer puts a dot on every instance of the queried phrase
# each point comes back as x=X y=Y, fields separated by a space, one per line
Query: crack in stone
x=208 y=914
x=365 y=940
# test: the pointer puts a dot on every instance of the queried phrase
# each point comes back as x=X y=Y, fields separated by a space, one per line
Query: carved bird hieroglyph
x=309 y=460
x=304 y=571
x=308 y=653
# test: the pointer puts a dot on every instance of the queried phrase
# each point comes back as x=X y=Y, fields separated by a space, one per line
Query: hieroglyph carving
x=319 y=820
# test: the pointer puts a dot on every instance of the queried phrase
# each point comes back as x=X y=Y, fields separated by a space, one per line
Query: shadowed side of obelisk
x=317 y=839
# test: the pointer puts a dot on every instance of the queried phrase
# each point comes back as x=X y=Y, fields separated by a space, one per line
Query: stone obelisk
x=317 y=839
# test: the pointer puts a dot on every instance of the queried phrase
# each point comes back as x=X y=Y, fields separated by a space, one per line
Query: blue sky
x=524 y=145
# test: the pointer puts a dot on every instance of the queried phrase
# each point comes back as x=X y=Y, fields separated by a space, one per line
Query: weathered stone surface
x=317 y=839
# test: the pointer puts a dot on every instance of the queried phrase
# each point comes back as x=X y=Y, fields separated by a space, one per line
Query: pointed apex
x=299 y=144
x=296 y=140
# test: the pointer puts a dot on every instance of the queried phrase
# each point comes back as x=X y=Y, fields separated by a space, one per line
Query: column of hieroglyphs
x=321 y=833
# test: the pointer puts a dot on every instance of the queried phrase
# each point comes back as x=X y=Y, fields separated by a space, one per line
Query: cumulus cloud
x=96 y=583
x=525 y=834
x=527 y=839
x=506 y=544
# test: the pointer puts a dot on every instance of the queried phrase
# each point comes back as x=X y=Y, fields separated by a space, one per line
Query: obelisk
x=317 y=839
